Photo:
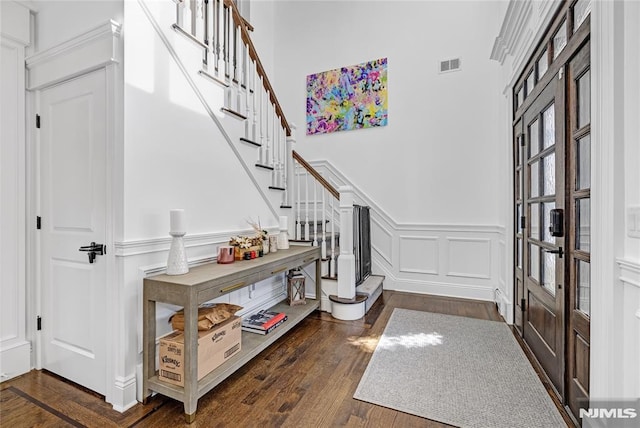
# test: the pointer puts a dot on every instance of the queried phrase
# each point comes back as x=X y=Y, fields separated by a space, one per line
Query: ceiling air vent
x=450 y=65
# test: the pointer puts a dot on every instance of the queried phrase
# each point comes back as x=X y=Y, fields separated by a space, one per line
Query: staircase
x=214 y=50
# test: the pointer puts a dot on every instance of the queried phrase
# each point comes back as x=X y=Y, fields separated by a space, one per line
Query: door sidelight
x=94 y=250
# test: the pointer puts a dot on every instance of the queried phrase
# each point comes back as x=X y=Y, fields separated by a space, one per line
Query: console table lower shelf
x=252 y=345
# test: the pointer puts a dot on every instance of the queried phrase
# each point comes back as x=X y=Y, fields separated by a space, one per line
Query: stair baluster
x=199 y=20
x=237 y=71
x=274 y=151
x=247 y=94
x=186 y=17
x=263 y=147
x=216 y=36
x=306 y=206
x=268 y=133
x=234 y=53
x=254 y=131
x=179 y=13
x=225 y=42
x=298 y=185
x=315 y=213
x=206 y=33
x=323 y=248
x=332 y=260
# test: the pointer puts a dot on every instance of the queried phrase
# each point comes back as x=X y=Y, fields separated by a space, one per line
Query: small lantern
x=295 y=288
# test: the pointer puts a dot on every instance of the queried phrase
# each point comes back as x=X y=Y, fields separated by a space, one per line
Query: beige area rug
x=460 y=371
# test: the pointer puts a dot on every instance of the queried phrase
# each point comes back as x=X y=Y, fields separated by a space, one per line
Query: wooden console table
x=200 y=285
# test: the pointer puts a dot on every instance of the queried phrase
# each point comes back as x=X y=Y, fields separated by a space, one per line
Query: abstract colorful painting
x=347 y=98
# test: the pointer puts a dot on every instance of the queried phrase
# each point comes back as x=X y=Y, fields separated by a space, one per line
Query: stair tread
x=233 y=113
x=359 y=298
x=259 y=165
x=370 y=284
x=213 y=78
x=248 y=141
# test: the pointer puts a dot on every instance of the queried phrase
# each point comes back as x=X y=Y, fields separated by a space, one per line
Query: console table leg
x=189 y=418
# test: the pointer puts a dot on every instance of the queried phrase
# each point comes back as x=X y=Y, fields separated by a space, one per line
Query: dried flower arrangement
x=249 y=243
x=262 y=233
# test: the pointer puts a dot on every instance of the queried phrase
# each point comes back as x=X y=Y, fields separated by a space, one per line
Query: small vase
x=273 y=243
x=265 y=246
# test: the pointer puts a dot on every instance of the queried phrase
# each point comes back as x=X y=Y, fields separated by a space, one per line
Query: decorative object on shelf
x=295 y=288
x=177 y=261
x=346 y=98
x=244 y=246
x=209 y=315
x=263 y=321
x=273 y=243
x=226 y=254
x=283 y=236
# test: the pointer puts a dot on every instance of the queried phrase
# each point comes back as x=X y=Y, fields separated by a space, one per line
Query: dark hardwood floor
x=305 y=379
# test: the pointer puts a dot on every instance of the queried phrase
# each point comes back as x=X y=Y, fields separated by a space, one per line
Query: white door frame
x=98 y=48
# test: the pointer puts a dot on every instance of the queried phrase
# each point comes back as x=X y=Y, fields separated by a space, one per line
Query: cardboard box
x=215 y=346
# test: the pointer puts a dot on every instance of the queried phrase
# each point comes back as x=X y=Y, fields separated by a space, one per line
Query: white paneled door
x=73 y=210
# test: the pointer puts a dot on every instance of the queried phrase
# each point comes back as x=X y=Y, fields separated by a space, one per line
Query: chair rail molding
x=629 y=272
x=133 y=247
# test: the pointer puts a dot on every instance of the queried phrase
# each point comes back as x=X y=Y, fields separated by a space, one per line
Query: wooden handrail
x=311 y=170
x=253 y=53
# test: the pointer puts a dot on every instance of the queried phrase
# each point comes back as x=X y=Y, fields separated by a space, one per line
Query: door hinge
x=523 y=303
x=39 y=323
x=523 y=222
x=38 y=222
x=37 y=121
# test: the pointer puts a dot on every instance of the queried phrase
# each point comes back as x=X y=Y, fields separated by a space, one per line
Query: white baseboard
x=505 y=307
x=124 y=396
x=436 y=288
x=15 y=360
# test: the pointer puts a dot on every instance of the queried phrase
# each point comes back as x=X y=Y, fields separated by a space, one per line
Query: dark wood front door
x=552 y=176
x=543 y=264
x=579 y=209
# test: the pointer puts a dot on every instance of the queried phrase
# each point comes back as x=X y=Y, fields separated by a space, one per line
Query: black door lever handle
x=99 y=249
x=94 y=250
x=559 y=252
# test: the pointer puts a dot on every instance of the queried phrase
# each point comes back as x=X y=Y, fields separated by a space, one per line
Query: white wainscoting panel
x=419 y=254
x=381 y=241
x=469 y=258
x=457 y=260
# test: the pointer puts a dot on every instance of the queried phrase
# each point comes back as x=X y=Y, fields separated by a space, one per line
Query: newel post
x=346 y=259
x=289 y=171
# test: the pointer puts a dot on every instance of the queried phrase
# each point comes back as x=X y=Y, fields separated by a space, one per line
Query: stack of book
x=263 y=322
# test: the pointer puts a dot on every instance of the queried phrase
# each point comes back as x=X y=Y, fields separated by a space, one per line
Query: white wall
x=438 y=160
x=434 y=173
x=58 y=20
x=174 y=154
x=627 y=292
